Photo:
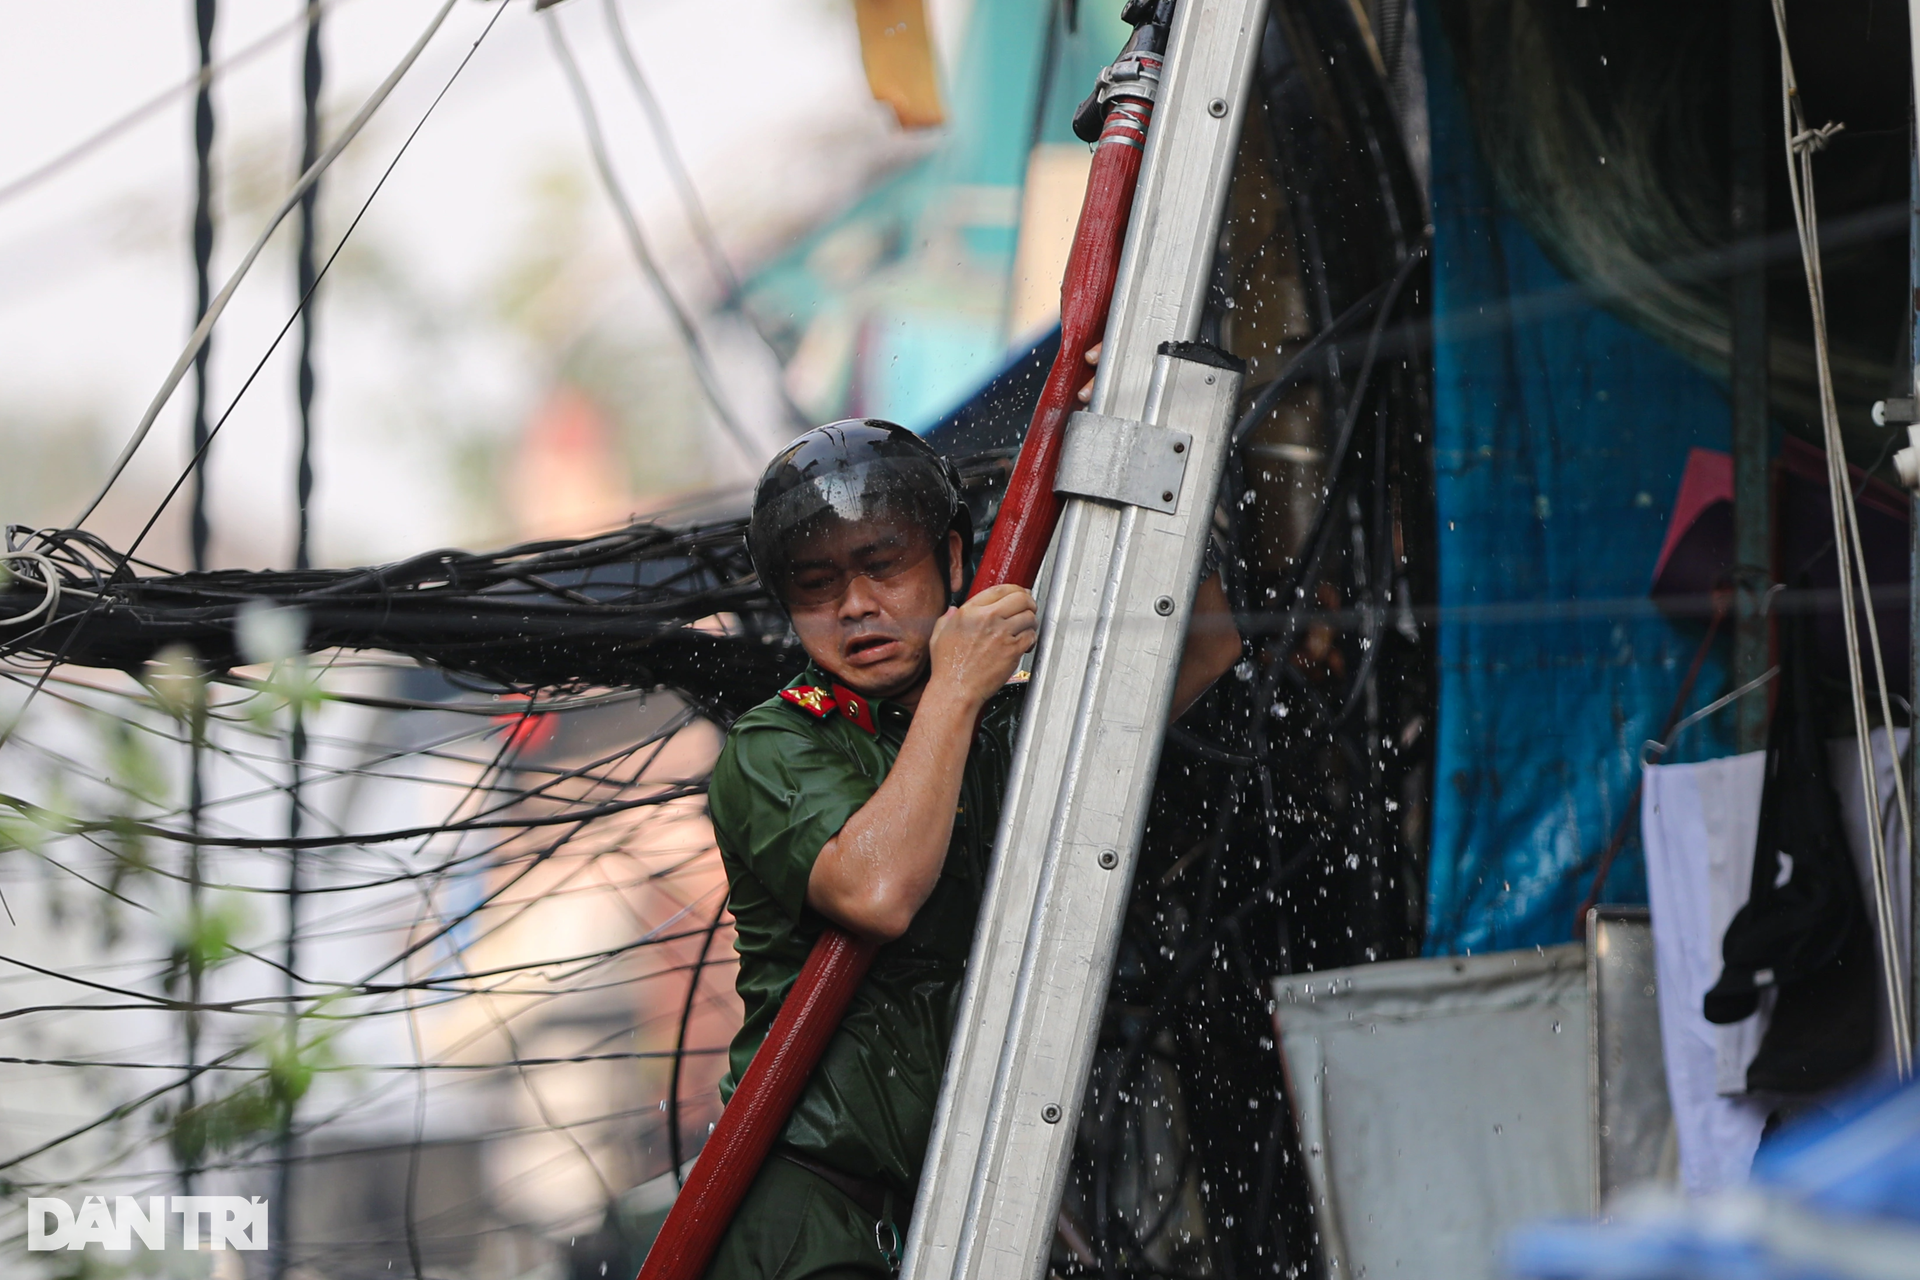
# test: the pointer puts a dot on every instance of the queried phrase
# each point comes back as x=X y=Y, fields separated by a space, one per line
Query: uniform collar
x=819 y=697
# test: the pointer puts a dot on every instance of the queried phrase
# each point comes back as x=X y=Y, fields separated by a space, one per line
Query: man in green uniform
x=866 y=795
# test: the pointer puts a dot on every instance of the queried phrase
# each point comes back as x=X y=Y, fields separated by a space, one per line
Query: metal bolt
x=1209 y=379
x=1109 y=859
x=1166 y=495
x=1178 y=447
x=1164 y=605
x=1050 y=1113
x=1217 y=108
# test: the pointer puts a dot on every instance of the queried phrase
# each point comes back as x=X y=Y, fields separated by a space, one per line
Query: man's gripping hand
x=977 y=646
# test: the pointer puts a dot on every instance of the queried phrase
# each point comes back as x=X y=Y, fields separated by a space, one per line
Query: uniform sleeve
x=777 y=797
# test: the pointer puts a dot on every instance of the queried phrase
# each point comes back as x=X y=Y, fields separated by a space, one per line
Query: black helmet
x=855 y=470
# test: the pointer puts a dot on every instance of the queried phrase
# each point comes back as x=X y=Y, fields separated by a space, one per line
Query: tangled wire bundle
x=623 y=609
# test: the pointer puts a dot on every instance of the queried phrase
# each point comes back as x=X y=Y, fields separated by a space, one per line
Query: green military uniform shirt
x=794 y=769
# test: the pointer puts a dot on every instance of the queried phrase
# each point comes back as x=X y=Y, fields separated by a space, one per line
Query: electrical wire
x=637 y=243
x=197 y=82
x=1802 y=142
x=218 y=304
x=731 y=297
x=306 y=285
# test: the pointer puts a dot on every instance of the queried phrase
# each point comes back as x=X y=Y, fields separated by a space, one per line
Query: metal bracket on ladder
x=1130 y=462
x=1126 y=561
x=1122 y=460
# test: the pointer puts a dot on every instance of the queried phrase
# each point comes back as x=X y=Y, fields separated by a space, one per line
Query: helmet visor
x=875 y=519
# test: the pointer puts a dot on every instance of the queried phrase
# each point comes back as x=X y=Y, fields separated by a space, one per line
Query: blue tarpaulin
x=1560 y=434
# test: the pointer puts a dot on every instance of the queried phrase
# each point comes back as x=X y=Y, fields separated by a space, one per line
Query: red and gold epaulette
x=818 y=703
x=854 y=707
x=810 y=698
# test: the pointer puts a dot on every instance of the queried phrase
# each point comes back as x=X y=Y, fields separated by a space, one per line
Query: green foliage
x=205 y=940
x=258 y=1109
x=289 y=684
x=29 y=827
x=132 y=765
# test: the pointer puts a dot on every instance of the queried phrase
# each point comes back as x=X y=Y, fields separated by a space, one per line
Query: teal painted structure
x=897 y=308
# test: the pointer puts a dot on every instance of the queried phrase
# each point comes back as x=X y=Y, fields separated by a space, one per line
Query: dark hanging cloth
x=1804 y=932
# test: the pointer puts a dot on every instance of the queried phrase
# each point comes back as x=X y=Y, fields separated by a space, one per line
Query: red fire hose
x=811 y=1013
x=1024 y=526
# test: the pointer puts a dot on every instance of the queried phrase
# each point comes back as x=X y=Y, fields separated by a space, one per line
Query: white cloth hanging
x=1698 y=823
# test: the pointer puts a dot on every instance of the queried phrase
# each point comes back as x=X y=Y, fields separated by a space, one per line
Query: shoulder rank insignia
x=854 y=707
x=810 y=698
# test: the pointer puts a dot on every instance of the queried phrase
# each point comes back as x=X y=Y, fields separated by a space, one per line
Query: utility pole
x=1139 y=472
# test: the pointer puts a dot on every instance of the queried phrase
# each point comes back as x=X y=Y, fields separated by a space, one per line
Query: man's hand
x=1085 y=395
x=977 y=646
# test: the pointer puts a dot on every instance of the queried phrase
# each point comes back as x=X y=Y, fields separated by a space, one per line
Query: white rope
x=220 y=300
x=49 y=581
x=1802 y=143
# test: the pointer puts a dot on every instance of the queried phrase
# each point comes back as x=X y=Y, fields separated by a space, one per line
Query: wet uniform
x=794 y=769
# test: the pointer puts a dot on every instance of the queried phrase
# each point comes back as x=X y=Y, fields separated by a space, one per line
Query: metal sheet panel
x=1440 y=1103
x=1634 y=1137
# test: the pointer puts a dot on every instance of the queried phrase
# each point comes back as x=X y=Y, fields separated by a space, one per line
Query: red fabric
x=1708 y=479
x=811 y=699
x=854 y=707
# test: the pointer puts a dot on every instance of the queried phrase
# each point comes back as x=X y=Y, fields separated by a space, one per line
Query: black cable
x=306 y=284
x=629 y=221
x=680 y=1041
x=732 y=298
x=204 y=12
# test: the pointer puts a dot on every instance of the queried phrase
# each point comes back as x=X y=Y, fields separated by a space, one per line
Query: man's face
x=864 y=598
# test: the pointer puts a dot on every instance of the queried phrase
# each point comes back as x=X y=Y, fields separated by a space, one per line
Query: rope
x=1803 y=143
